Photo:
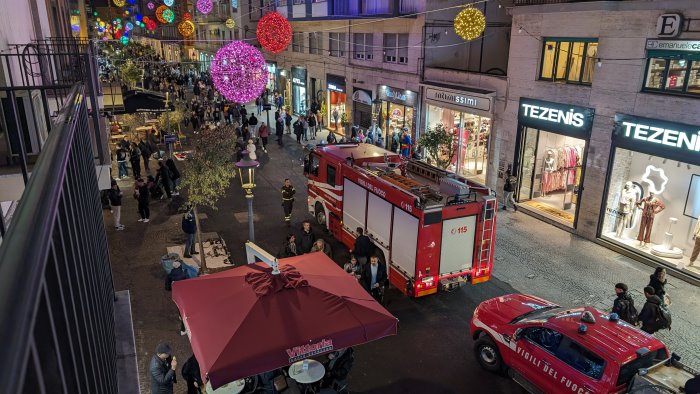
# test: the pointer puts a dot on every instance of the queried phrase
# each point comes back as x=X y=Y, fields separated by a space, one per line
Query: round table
x=229 y=388
x=313 y=374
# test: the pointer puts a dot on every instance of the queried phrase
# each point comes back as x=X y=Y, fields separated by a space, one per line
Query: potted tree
x=440 y=144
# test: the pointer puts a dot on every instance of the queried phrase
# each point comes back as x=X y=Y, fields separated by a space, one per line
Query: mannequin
x=628 y=199
x=549 y=168
x=696 y=247
x=651 y=205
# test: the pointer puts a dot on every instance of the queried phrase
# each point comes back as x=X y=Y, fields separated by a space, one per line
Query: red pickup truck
x=550 y=349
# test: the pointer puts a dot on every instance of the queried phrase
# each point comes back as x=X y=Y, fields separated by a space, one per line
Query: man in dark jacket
x=307 y=239
x=650 y=312
x=135 y=159
x=145 y=153
x=253 y=125
x=143 y=195
x=189 y=227
x=298 y=129
x=175 y=274
x=374 y=277
x=191 y=374
x=162 y=370
x=624 y=304
x=121 y=162
x=508 y=190
x=363 y=247
x=165 y=178
x=288 y=192
x=279 y=130
x=115 y=200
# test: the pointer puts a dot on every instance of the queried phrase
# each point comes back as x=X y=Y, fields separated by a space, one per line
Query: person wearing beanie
x=624 y=304
x=162 y=370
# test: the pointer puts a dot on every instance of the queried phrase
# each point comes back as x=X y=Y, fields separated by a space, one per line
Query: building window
x=396 y=48
x=298 y=42
x=336 y=44
x=376 y=7
x=569 y=60
x=674 y=73
x=297 y=2
x=362 y=46
x=316 y=43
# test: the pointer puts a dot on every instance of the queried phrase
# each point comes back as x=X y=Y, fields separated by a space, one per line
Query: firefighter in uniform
x=288 y=199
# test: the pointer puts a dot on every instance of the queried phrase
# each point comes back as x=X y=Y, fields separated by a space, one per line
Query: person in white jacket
x=251 y=150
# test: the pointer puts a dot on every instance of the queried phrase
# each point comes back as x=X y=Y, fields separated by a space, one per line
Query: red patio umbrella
x=245 y=321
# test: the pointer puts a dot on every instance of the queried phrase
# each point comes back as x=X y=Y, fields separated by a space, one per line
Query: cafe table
x=307 y=371
x=234 y=387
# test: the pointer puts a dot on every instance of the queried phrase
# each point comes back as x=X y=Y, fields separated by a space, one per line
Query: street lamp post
x=246 y=172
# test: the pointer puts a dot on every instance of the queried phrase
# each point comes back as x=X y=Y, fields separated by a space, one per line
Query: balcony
x=35 y=80
x=347 y=9
x=539 y=2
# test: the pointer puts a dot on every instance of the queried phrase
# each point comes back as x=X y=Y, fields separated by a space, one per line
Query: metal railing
x=56 y=290
x=538 y=2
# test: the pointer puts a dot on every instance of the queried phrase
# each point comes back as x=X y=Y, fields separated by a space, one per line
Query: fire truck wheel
x=320 y=214
x=487 y=354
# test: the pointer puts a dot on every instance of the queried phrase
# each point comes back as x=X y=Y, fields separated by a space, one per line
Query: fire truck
x=431 y=228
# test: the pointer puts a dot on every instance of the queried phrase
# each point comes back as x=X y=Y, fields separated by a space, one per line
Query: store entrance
x=550 y=175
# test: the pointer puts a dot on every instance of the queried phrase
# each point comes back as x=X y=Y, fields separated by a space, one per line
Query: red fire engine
x=431 y=228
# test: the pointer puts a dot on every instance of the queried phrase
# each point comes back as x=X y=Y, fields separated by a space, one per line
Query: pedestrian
x=394 y=142
x=508 y=190
x=135 y=159
x=336 y=115
x=121 y=162
x=288 y=192
x=145 y=153
x=650 y=312
x=624 y=305
x=162 y=370
x=374 y=277
x=658 y=281
x=190 y=372
x=259 y=104
x=251 y=150
x=177 y=273
x=331 y=137
x=353 y=267
x=405 y=143
x=264 y=133
x=311 y=119
x=115 y=200
x=321 y=246
x=174 y=175
x=253 y=125
x=307 y=239
x=288 y=120
x=298 y=129
x=143 y=196
x=189 y=227
x=165 y=179
x=279 y=129
x=290 y=247
x=363 y=247
x=305 y=127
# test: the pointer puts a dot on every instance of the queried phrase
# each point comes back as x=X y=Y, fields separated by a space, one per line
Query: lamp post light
x=246 y=172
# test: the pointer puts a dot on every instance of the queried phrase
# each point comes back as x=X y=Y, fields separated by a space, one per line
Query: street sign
x=170 y=138
x=267 y=107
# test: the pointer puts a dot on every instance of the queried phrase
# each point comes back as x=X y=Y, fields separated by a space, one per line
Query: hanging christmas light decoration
x=151 y=24
x=169 y=15
x=119 y=3
x=129 y=26
x=230 y=23
x=186 y=16
x=151 y=6
x=186 y=28
x=239 y=72
x=469 y=23
x=205 y=6
x=159 y=13
x=169 y=3
x=124 y=40
x=274 y=32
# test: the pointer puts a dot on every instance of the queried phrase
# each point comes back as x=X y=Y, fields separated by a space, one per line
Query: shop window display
x=336 y=110
x=398 y=116
x=472 y=133
x=652 y=207
x=551 y=173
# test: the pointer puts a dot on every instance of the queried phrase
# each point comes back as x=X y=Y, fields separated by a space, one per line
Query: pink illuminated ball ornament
x=151 y=6
x=239 y=72
x=205 y=6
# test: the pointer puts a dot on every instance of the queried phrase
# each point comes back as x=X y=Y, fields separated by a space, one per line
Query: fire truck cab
x=431 y=228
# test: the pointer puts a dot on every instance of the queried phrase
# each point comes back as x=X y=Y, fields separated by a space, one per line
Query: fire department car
x=550 y=349
x=430 y=228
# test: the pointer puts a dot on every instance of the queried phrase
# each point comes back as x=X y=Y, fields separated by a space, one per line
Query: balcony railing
x=538 y=2
x=56 y=291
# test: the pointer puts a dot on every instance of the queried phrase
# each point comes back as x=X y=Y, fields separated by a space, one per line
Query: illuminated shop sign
x=556 y=117
x=676 y=141
x=674 y=45
x=399 y=96
x=299 y=76
x=460 y=99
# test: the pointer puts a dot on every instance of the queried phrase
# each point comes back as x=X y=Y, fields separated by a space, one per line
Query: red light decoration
x=274 y=32
x=186 y=16
x=159 y=14
x=151 y=24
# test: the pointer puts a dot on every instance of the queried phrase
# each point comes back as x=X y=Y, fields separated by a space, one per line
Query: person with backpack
x=651 y=316
x=658 y=281
x=624 y=305
x=508 y=190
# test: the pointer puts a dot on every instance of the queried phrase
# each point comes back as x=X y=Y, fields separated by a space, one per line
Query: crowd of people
x=655 y=314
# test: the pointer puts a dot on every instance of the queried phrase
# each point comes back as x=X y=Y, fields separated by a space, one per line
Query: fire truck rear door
x=379 y=219
x=457 y=247
x=404 y=240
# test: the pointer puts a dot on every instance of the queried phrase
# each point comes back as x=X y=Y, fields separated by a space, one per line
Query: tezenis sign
x=676 y=141
x=555 y=117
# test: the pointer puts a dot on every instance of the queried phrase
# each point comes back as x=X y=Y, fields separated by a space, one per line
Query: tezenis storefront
x=652 y=194
x=550 y=160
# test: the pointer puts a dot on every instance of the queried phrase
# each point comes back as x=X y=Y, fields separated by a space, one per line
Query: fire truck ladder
x=423 y=191
x=487 y=231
